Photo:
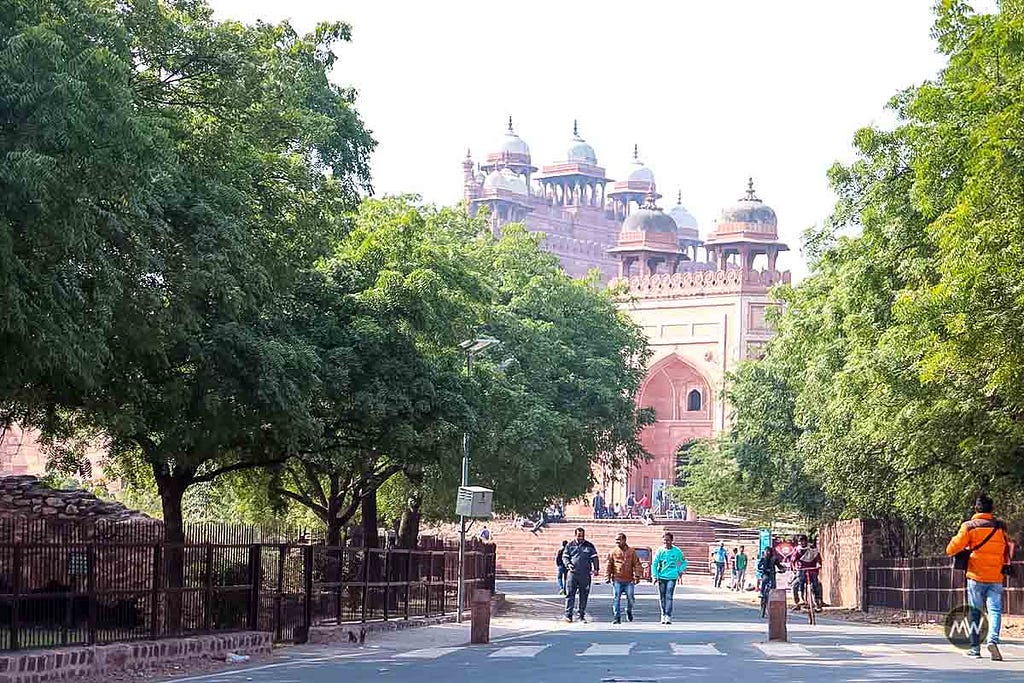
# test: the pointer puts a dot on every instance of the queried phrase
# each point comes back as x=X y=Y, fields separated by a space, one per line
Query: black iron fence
x=929 y=584
x=54 y=594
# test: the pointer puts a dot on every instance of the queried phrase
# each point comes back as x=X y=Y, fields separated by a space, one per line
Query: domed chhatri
x=649 y=218
x=579 y=151
x=637 y=171
x=685 y=221
x=512 y=143
x=748 y=214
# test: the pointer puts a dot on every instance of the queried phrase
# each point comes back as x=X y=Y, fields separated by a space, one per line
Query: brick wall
x=845 y=547
x=100 y=660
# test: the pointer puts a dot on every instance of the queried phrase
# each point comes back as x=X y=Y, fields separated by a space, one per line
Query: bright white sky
x=712 y=91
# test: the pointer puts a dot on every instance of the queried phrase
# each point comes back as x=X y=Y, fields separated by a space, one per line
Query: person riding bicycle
x=807 y=561
x=767 y=567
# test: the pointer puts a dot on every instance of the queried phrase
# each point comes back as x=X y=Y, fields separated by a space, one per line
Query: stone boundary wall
x=26 y=496
x=69 y=663
x=846 y=546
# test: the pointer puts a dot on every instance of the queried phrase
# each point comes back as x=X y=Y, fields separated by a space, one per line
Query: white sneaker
x=663 y=618
x=668 y=620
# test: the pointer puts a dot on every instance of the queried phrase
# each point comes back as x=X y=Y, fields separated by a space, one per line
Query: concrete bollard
x=480 y=611
x=777 y=615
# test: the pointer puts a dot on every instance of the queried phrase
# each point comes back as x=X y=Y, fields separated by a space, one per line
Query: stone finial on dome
x=512 y=143
x=579 y=150
x=751 y=197
x=636 y=152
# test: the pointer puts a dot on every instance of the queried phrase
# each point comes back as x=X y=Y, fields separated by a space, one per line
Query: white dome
x=512 y=143
x=641 y=173
x=579 y=151
x=582 y=153
x=637 y=171
x=683 y=218
x=505 y=180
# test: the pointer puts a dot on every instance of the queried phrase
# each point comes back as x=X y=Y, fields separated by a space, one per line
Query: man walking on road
x=740 y=568
x=623 y=572
x=985 y=537
x=580 y=559
x=666 y=568
x=720 y=556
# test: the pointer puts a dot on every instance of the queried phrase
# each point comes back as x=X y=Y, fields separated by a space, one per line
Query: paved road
x=713 y=638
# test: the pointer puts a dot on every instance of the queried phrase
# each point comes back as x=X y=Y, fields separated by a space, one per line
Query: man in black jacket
x=562 y=570
x=580 y=559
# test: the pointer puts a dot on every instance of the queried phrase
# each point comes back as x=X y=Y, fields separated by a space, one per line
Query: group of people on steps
x=578 y=563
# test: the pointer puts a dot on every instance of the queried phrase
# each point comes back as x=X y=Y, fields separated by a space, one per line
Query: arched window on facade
x=693 y=400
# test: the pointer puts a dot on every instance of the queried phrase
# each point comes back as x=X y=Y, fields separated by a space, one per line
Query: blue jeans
x=562 y=571
x=666 y=587
x=719 y=573
x=620 y=587
x=989 y=595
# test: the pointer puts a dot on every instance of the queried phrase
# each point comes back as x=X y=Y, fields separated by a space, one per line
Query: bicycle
x=810 y=599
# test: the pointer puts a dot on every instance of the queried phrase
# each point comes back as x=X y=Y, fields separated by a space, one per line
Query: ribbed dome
x=648 y=218
x=683 y=218
x=637 y=171
x=505 y=180
x=512 y=143
x=751 y=212
x=579 y=151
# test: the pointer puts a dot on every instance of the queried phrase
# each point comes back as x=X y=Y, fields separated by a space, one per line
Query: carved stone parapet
x=701 y=283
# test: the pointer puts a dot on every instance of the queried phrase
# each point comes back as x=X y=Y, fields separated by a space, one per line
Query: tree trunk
x=409 y=531
x=172 y=490
x=334 y=528
x=371 y=539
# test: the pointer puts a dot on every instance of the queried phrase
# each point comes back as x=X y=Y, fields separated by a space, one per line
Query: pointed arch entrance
x=683 y=403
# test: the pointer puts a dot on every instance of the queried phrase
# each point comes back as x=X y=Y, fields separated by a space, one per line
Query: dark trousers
x=576 y=584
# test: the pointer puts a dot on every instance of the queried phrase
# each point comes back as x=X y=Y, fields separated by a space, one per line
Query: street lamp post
x=471 y=347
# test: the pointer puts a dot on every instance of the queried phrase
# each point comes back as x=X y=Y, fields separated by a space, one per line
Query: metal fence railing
x=930 y=584
x=54 y=594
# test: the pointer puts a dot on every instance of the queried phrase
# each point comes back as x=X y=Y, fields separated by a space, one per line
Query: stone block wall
x=25 y=496
x=845 y=547
x=101 y=660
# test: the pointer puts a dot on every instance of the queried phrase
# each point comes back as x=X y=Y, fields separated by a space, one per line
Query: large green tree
x=247 y=159
x=556 y=395
x=899 y=354
x=81 y=168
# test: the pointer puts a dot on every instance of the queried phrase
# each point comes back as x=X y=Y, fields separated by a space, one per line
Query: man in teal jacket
x=666 y=568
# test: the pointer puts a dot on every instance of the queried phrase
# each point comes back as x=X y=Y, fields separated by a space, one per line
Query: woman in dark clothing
x=767 y=567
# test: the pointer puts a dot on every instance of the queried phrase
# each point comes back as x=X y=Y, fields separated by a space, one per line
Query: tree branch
x=235 y=467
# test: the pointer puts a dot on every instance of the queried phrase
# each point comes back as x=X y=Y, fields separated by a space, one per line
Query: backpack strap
x=990 y=535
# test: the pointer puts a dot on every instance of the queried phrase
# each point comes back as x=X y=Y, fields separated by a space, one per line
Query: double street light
x=472 y=348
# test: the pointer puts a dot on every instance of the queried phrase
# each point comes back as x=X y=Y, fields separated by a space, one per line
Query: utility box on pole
x=474 y=502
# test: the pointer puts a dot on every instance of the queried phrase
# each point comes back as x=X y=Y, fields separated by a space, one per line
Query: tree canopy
x=895 y=375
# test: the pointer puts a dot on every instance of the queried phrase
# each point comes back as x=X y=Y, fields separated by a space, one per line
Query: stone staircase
x=523 y=554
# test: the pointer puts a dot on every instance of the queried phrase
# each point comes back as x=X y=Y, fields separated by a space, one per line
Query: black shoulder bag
x=961 y=558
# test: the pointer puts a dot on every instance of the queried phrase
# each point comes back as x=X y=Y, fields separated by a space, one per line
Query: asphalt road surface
x=713 y=638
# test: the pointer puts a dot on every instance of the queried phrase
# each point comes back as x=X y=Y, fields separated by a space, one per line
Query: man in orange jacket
x=624 y=570
x=986 y=537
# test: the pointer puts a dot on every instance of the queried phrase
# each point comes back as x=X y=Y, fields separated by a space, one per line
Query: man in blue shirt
x=666 y=568
x=721 y=557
